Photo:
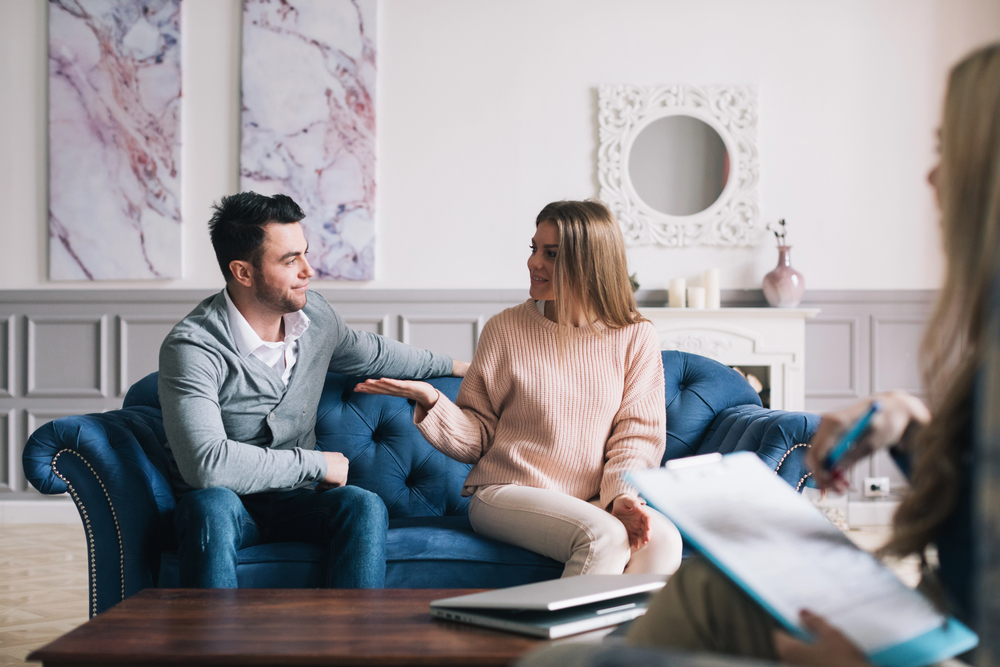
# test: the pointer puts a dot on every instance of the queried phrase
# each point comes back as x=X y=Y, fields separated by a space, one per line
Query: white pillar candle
x=713 y=295
x=677 y=292
x=696 y=297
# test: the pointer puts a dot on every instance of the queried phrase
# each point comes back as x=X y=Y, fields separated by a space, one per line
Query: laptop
x=555 y=608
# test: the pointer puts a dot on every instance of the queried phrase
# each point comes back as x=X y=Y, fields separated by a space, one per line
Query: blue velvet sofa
x=114 y=466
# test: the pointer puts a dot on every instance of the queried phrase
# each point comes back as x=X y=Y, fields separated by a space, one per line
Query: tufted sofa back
x=697 y=389
x=387 y=453
x=389 y=456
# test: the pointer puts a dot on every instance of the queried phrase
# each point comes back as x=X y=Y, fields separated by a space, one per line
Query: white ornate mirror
x=678 y=165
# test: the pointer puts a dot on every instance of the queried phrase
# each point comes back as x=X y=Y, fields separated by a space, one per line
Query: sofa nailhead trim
x=790 y=450
x=90 y=532
x=798 y=487
x=803 y=481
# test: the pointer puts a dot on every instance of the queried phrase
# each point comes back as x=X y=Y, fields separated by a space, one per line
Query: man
x=240 y=381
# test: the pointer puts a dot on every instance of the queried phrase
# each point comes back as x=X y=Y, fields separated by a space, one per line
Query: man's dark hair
x=237 y=226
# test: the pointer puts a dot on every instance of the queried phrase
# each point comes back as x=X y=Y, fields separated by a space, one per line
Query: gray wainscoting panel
x=887 y=327
x=832 y=367
x=66 y=356
x=457 y=335
x=139 y=340
x=7 y=361
x=375 y=325
x=7 y=462
x=895 y=354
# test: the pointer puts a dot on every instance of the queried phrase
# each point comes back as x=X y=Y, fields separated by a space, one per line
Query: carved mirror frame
x=626 y=110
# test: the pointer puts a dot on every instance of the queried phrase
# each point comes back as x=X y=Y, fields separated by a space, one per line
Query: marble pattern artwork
x=308 y=127
x=114 y=139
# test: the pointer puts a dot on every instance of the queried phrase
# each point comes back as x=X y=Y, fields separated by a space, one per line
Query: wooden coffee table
x=281 y=627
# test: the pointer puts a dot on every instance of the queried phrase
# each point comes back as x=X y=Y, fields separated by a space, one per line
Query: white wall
x=487 y=111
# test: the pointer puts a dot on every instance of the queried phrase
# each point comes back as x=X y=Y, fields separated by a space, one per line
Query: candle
x=696 y=297
x=677 y=293
x=713 y=295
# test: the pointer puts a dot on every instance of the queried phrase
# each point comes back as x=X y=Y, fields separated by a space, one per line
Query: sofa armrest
x=124 y=500
x=779 y=438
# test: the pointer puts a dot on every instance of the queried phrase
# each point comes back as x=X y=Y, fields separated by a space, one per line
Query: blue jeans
x=214 y=524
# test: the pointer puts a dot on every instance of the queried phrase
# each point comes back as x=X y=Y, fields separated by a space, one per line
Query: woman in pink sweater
x=563 y=398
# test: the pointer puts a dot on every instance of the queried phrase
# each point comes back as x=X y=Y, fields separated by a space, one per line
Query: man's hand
x=633 y=512
x=459 y=368
x=830 y=649
x=336 y=471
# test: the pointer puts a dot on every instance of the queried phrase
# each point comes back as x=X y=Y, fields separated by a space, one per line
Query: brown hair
x=968 y=182
x=591 y=272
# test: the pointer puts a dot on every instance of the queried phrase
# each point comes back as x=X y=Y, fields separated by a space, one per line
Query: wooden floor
x=43 y=583
x=43 y=586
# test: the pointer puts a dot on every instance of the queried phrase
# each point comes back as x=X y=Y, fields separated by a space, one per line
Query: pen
x=846 y=442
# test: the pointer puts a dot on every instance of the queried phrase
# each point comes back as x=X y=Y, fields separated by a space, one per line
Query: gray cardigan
x=231 y=422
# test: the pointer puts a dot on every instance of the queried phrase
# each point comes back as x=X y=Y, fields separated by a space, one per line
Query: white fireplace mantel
x=771 y=337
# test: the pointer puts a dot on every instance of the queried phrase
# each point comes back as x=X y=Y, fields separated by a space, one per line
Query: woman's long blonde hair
x=968 y=183
x=591 y=272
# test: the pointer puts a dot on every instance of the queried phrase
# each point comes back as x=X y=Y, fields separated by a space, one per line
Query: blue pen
x=846 y=442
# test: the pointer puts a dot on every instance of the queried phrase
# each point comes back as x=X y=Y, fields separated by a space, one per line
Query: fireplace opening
x=759 y=378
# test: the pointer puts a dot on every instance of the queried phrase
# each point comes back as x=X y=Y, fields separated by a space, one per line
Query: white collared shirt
x=279 y=356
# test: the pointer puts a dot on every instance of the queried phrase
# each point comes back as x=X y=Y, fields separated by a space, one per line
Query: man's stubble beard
x=277 y=299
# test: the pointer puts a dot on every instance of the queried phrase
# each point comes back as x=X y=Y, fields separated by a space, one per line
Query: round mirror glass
x=678 y=165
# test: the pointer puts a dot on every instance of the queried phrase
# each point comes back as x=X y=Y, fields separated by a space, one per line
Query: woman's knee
x=608 y=546
x=612 y=534
x=665 y=545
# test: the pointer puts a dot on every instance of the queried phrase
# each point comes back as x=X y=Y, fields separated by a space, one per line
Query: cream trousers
x=581 y=534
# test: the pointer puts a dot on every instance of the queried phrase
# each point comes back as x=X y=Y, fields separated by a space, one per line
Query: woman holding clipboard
x=700 y=609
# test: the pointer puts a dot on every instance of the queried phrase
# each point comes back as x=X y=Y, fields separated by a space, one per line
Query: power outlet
x=876 y=487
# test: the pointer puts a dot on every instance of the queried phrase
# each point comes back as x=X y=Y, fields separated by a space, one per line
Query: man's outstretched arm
x=362 y=353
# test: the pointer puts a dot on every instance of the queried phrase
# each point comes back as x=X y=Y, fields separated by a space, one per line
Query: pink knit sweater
x=575 y=425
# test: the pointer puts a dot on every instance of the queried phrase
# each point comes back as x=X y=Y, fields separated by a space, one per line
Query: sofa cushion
x=444 y=552
x=278 y=565
x=421 y=552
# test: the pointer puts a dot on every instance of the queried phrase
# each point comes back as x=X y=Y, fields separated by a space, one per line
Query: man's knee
x=361 y=506
x=209 y=502
x=213 y=512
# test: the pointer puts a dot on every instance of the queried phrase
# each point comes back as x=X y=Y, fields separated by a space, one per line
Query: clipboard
x=781 y=550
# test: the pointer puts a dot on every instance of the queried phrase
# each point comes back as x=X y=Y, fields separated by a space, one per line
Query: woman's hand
x=830 y=649
x=633 y=512
x=900 y=417
x=424 y=394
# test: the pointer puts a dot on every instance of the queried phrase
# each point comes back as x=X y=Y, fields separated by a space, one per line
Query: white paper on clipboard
x=785 y=554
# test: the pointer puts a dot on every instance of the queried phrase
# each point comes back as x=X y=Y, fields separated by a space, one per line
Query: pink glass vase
x=784 y=286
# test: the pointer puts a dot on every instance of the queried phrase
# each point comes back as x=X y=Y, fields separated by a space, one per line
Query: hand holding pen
x=832 y=461
x=848 y=435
